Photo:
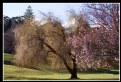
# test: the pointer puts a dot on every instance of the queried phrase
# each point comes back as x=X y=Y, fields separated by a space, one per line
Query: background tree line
x=10 y=24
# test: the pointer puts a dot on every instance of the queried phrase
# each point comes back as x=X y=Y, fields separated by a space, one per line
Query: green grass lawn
x=12 y=72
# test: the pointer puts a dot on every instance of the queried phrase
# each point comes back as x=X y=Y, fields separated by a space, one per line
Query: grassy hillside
x=45 y=72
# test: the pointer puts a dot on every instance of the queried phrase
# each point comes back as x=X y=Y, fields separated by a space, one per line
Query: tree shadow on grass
x=27 y=78
x=101 y=79
x=8 y=62
x=91 y=71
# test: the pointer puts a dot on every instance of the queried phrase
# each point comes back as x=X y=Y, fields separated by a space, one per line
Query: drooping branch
x=55 y=52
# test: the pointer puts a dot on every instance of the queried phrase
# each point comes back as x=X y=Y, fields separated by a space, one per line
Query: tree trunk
x=74 y=75
x=74 y=71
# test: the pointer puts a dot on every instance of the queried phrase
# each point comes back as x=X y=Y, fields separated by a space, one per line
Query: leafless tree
x=77 y=20
x=106 y=14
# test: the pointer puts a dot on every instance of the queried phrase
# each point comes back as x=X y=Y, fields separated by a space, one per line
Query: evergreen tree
x=29 y=13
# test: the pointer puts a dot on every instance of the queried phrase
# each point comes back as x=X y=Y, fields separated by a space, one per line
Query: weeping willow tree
x=29 y=52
